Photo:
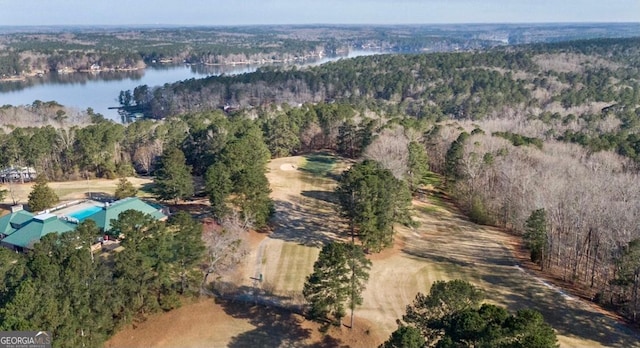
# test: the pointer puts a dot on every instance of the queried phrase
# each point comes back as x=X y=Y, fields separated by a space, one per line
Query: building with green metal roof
x=110 y=211
x=34 y=229
x=20 y=229
x=14 y=221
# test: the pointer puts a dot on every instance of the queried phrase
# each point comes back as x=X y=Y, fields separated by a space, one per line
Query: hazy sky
x=229 y=12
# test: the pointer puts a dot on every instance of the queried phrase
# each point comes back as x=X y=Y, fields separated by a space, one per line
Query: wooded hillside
x=542 y=140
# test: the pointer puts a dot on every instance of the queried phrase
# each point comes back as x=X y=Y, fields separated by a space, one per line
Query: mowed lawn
x=305 y=218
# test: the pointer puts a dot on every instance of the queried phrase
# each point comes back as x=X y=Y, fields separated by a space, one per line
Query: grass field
x=70 y=190
x=445 y=246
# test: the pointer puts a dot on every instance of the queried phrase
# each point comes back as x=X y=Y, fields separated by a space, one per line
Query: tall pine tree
x=373 y=200
x=173 y=178
x=338 y=278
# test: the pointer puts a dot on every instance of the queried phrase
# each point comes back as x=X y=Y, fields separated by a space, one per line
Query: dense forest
x=541 y=140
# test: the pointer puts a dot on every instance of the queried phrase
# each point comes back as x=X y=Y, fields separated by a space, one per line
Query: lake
x=100 y=90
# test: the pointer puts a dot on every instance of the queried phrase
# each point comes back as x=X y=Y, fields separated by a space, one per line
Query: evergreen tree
x=42 y=196
x=281 y=136
x=348 y=144
x=535 y=235
x=125 y=189
x=492 y=326
x=373 y=200
x=405 y=337
x=628 y=277
x=452 y=316
x=338 y=277
x=418 y=165
x=453 y=157
x=173 y=179
x=218 y=186
x=243 y=164
x=188 y=249
x=444 y=299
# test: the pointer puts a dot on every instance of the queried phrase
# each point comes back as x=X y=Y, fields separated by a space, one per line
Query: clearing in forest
x=445 y=246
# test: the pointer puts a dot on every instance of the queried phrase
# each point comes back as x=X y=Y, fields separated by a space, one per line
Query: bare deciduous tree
x=391 y=149
x=226 y=243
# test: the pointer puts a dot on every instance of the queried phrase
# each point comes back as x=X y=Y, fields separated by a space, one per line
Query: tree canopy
x=535 y=236
x=373 y=200
x=452 y=315
x=42 y=196
x=238 y=178
x=125 y=189
x=173 y=178
x=338 y=279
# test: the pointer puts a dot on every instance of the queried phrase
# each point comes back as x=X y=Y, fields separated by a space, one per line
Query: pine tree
x=453 y=157
x=535 y=235
x=173 y=179
x=42 y=196
x=373 y=200
x=338 y=278
x=125 y=189
x=218 y=186
x=418 y=165
x=405 y=337
x=188 y=249
x=243 y=165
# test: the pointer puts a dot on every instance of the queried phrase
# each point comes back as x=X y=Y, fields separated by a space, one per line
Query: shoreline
x=27 y=76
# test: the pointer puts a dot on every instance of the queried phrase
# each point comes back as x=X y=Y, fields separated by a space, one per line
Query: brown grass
x=70 y=190
x=226 y=324
x=445 y=246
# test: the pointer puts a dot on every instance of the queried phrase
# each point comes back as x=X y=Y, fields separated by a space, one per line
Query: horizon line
x=313 y=24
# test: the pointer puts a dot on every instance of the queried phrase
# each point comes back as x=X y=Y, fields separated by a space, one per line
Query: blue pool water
x=84 y=213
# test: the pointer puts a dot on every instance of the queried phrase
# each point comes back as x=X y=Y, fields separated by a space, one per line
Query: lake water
x=100 y=90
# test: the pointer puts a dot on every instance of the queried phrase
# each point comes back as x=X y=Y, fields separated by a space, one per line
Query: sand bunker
x=288 y=166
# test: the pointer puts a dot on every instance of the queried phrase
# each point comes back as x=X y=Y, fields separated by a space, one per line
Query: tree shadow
x=100 y=196
x=325 y=196
x=197 y=209
x=274 y=327
x=148 y=188
x=329 y=342
x=304 y=225
x=319 y=164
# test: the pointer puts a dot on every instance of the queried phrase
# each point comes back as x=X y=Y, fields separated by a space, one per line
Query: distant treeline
x=29 y=52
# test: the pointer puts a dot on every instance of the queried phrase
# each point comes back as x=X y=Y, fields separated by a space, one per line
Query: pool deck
x=82 y=205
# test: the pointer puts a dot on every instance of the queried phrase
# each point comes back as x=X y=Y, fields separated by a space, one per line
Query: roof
x=110 y=212
x=36 y=229
x=23 y=228
x=16 y=219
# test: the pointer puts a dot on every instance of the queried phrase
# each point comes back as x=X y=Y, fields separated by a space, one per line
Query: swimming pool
x=84 y=213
